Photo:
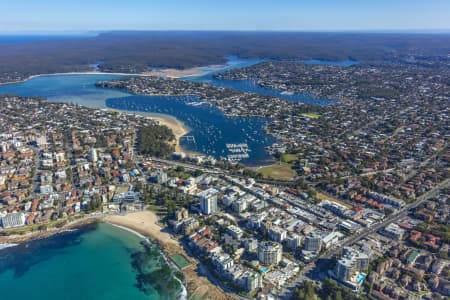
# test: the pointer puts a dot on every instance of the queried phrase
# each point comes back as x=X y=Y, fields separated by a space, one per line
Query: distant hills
x=140 y=50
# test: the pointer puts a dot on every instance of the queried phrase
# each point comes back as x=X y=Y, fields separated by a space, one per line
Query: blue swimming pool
x=360 y=278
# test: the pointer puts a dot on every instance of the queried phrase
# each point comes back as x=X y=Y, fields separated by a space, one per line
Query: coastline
x=146 y=224
x=68 y=74
x=190 y=72
x=41 y=234
x=164 y=73
x=178 y=127
x=183 y=294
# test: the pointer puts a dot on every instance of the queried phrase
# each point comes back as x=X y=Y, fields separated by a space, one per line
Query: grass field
x=180 y=261
x=289 y=158
x=279 y=171
x=312 y=115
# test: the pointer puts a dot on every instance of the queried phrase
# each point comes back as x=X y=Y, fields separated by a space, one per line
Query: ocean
x=97 y=261
x=100 y=261
x=24 y=39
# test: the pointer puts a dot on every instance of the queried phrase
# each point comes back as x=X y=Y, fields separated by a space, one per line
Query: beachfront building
x=181 y=214
x=13 y=220
x=222 y=261
x=270 y=253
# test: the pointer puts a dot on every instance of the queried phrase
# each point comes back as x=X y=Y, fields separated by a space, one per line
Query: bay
x=97 y=261
x=210 y=129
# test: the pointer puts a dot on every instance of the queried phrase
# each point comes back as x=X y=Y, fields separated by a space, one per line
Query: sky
x=288 y=15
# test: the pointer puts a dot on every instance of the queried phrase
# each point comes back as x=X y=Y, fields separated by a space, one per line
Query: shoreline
x=42 y=234
x=164 y=73
x=173 y=73
x=145 y=224
x=178 y=127
x=68 y=74
x=183 y=294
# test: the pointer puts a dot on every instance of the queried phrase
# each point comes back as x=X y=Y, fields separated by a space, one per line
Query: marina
x=238 y=152
x=210 y=131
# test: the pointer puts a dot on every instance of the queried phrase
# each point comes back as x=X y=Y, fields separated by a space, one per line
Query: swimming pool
x=360 y=278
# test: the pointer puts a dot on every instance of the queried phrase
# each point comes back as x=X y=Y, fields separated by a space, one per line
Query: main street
x=212 y=170
x=287 y=291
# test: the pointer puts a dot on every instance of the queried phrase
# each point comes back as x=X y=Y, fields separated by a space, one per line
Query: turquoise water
x=360 y=278
x=98 y=261
x=79 y=89
x=264 y=269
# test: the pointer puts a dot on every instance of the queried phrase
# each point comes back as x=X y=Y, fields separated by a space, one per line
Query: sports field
x=180 y=261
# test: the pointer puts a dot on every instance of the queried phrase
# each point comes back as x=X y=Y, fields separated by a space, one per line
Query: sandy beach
x=177 y=73
x=146 y=223
x=165 y=73
x=179 y=128
x=70 y=73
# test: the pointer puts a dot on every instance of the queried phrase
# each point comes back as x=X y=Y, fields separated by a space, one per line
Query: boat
x=195 y=103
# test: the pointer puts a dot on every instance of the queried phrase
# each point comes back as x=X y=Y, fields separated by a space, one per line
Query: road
x=286 y=293
x=191 y=166
x=219 y=171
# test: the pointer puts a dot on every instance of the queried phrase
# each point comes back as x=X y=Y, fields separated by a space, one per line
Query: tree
x=155 y=140
x=307 y=292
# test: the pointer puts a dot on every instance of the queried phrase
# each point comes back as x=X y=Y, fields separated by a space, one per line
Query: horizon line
x=97 y=32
